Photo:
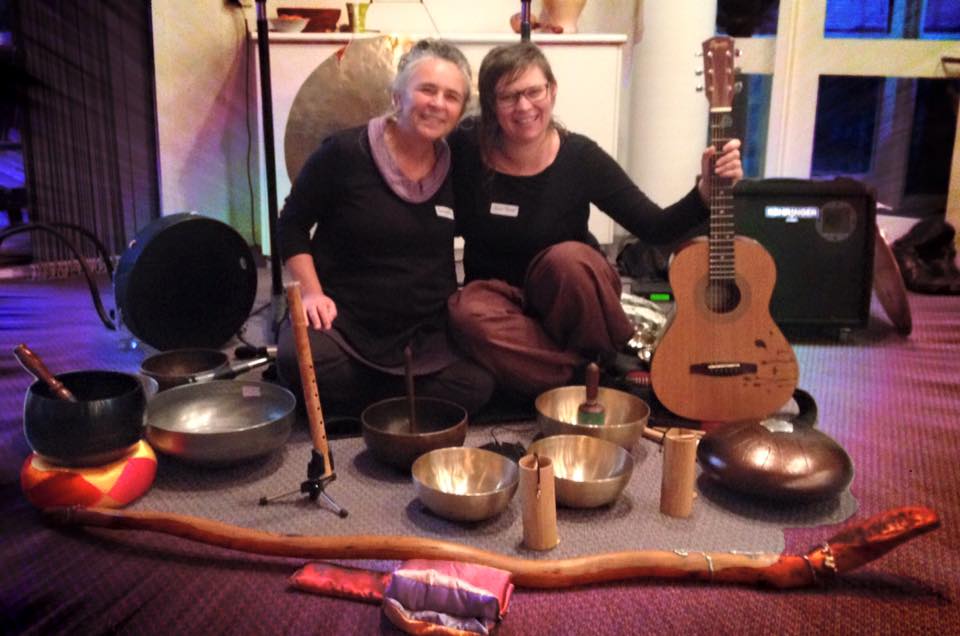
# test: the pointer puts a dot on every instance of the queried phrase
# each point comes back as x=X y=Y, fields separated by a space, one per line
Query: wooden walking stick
x=320 y=469
x=854 y=546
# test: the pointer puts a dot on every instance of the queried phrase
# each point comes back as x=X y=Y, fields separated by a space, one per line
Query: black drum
x=186 y=281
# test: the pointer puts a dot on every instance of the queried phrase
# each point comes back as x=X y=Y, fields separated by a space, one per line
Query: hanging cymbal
x=345 y=90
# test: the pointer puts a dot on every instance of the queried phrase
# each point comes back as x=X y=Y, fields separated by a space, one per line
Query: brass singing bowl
x=390 y=438
x=465 y=484
x=588 y=471
x=626 y=414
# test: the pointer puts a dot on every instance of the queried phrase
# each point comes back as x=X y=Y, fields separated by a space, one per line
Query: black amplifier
x=821 y=236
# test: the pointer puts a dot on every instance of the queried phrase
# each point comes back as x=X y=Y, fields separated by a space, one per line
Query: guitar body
x=722 y=358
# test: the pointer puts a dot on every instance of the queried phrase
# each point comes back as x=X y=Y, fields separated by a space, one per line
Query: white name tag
x=444 y=212
x=504 y=209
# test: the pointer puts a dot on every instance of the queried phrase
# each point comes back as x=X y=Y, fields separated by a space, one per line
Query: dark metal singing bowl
x=588 y=471
x=388 y=435
x=103 y=425
x=220 y=421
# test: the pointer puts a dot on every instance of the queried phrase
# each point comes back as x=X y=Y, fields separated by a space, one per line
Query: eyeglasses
x=533 y=94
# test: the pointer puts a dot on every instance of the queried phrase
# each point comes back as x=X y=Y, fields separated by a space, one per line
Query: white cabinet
x=587 y=67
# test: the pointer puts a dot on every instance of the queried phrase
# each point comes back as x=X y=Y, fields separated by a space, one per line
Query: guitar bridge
x=723 y=369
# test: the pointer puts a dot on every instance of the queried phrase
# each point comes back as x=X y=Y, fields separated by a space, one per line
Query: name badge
x=444 y=212
x=504 y=209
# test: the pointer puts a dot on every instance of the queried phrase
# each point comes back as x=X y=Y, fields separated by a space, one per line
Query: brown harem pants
x=533 y=339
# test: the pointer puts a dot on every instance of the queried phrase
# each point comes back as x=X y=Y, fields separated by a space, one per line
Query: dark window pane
x=931 y=142
x=751 y=109
x=743 y=18
x=846 y=18
x=942 y=17
x=845 y=124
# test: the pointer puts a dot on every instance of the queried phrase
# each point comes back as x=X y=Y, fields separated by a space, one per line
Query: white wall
x=200 y=79
x=201 y=62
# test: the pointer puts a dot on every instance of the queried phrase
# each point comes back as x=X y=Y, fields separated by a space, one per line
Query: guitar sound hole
x=722 y=296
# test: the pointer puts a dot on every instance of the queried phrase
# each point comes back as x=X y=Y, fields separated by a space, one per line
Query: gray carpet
x=381 y=500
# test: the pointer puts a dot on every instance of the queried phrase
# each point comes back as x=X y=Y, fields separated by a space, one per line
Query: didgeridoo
x=854 y=546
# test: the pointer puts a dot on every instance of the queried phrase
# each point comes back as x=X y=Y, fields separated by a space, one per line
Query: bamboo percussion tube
x=538 y=500
x=858 y=543
x=308 y=377
x=679 y=471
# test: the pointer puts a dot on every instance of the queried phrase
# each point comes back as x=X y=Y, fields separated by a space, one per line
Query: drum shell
x=186 y=281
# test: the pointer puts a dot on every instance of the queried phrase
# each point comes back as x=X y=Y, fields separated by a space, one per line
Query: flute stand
x=315 y=484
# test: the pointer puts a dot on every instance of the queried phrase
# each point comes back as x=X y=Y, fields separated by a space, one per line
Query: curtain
x=90 y=136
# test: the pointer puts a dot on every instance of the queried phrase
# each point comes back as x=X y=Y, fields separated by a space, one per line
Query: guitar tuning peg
x=698 y=54
x=736 y=52
x=737 y=87
x=737 y=70
x=700 y=89
x=698 y=72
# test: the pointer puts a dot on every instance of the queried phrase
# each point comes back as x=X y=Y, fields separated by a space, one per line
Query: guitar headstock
x=719 y=54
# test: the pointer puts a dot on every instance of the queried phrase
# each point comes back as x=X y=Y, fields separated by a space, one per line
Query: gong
x=185 y=281
x=345 y=90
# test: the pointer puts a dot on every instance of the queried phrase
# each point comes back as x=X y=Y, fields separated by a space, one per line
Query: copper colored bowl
x=388 y=435
x=626 y=414
x=320 y=20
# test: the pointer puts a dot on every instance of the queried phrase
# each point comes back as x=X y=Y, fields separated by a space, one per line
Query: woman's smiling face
x=525 y=106
x=432 y=102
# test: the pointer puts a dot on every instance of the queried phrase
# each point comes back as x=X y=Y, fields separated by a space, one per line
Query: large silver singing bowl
x=588 y=472
x=626 y=414
x=465 y=484
x=221 y=421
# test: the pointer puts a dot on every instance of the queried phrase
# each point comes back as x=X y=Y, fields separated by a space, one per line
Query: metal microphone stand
x=524 y=20
x=266 y=103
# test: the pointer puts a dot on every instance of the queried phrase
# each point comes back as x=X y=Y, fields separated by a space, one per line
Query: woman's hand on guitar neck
x=727 y=166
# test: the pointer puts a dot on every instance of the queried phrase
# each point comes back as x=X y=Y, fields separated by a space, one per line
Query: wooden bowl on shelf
x=319 y=20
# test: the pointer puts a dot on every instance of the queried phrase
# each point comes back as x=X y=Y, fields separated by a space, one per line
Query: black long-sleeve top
x=506 y=220
x=388 y=264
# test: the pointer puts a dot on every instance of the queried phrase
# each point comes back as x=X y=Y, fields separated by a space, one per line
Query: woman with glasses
x=540 y=299
x=376 y=272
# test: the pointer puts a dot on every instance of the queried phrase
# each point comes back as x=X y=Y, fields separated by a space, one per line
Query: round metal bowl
x=626 y=414
x=465 y=484
x=173 y=368
x=103 y=425
x=588 y=472
x=221 y=421
x=387 y=432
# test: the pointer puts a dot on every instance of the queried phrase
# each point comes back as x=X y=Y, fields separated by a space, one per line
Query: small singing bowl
x=103 y=425
x=626 y=414
x=465 y=484
x=391 y=439
x=588 y=472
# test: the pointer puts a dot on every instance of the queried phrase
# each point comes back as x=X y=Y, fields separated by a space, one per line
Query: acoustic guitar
x=722 y=358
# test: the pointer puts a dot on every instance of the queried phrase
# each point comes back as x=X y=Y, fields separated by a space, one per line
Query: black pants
x=347 y=386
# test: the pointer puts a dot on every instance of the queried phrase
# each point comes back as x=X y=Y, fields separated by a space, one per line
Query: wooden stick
x=856 y=545
x=656 y=433
x=308 y=377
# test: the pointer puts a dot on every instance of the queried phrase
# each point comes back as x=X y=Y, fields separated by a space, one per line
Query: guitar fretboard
x=721 y=265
